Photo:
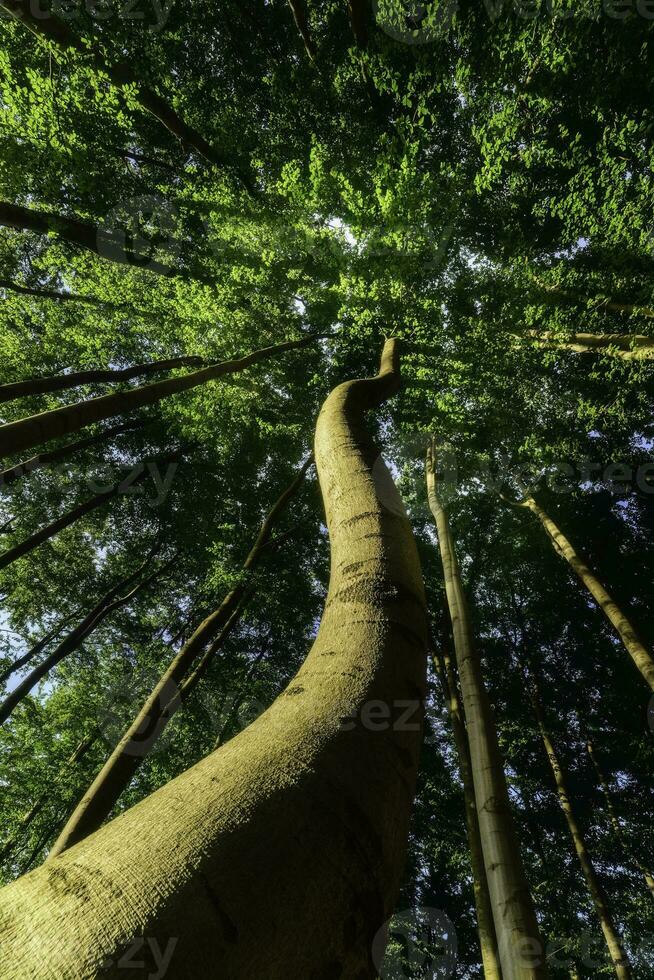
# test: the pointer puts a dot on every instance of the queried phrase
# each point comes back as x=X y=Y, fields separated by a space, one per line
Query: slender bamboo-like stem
x=167 y=695
x=298 y=788
x=71 y=516
x=641 y=657
x=613 y=817
x=485 y=926
x=521 y=951
x=19 y=470
x=18 y=436
x=301 y=18
x=61 y=382
x=107 y=604
x=616 y=951
x=628 y=347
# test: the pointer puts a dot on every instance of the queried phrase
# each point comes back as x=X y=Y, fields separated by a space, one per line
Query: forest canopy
x=269 y=706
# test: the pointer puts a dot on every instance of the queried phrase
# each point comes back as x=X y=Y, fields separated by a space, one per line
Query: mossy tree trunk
x=280 y=854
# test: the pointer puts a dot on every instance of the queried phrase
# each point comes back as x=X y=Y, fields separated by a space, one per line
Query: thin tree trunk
x=219 y=856
x=636 y=650
x=613 y=817
x=60 y=382
x=629 y=347
x=19 y=436
x=73 y=515
x=109 y=602
x=597 y=893
x=36 y=649
x=358 y=12
x=106 y=243
x=485 y=926
x=600 y=304
x=121 y=74
x=301 y=18
x=167 y=696
x=84 y=746
x=77 y=298
x=521 y=951
x=17 y=472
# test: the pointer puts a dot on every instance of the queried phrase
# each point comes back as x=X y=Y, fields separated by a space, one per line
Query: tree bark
x=106 y=243
x=169 y=692
x=485 y=926
x=17 y=472
x=615 y=823
x=61 y=382
x=50 y=530
x=36 y=649
x=636 y=650
x=26 y=433
x=521 y=951
x=109 y=602
x=121 y=74
x=597 y=893
x=218 y=858
x=629 y=347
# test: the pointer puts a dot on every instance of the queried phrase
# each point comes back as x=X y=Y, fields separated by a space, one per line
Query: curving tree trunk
x=18 y=436
x=61 y=382
x=19 y=470
x=172 y=688
x=50 y=530
x=108 y=604
x=597 y=893
x=520 y=947
x=121 y=74
x=485 y=926
x=615 y=823
x=218 y=858
x=636 y=650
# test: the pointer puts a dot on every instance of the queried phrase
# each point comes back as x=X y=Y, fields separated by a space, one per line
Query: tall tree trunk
x=629 y=347
x=18 y=436
x=219 y=856
x=19 y=470
x=301 y=18
x=73 y=515
x=613 y=817
x=121 y=74
x=41 y=293
x=61 y=382
x=485 y=926
x=521 y=951
x=109 y=602
x=597 y=893
x=106 y=243
x=636 y=650
x=169 y=692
